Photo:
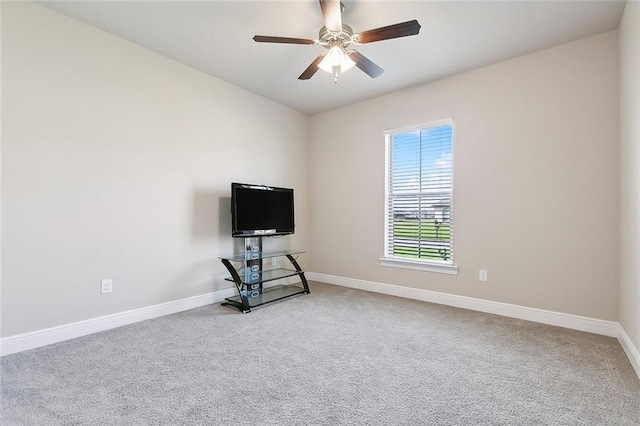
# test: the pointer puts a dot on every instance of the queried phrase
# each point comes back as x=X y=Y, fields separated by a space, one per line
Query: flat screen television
x=259 y=210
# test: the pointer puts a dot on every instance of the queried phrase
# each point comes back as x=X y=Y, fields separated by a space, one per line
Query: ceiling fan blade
x=365 y=64
x=311 y=69
x=332 y=14
x=289 y=40
x=402 y=29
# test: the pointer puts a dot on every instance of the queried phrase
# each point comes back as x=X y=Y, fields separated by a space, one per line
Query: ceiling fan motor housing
x=342 y=38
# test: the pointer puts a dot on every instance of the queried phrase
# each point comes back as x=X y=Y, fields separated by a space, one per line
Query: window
x=419 y=198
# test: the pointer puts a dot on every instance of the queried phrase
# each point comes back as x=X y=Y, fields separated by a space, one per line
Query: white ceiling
x=456 y=36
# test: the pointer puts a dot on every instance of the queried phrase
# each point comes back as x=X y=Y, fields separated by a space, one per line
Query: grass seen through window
x=419 y=239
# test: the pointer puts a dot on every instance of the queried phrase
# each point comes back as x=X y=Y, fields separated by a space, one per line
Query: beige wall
x=117 y=163
x=535 y=180
x=630 y=171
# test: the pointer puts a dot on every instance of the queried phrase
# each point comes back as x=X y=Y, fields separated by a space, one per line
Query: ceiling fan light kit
x=336 y=61
x=336 y=38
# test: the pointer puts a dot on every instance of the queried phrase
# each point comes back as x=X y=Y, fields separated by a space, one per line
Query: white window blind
x=419 y=194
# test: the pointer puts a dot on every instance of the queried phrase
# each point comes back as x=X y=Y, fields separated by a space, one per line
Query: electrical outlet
x=483 y=275
x=106 y=286
x=274 y=261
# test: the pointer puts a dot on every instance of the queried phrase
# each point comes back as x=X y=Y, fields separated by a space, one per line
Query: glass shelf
x=260 y=255
x=266 y=276
x=249 y=276
x=270 y=294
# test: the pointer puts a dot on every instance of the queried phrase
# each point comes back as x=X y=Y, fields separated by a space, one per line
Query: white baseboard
x=630 y=349
x=36 y=339
x=574 y=322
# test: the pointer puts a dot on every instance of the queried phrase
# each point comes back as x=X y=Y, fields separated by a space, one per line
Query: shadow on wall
x=211 y=220
x=211 y=215
x=224 y=217
x=211 y=224
x=211 y=231
x=205 y=212
x=227 y=242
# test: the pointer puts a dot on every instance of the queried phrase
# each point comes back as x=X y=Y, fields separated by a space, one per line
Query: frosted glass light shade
x=336 y=57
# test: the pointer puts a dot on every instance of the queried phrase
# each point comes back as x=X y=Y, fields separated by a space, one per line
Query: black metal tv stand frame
x=250 y=277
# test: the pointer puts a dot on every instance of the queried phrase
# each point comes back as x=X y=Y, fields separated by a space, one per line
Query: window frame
x=389 y=260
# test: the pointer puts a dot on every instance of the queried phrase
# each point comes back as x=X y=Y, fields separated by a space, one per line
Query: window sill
x=419 y=265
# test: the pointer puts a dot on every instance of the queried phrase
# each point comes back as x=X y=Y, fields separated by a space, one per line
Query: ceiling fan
x=336 y=37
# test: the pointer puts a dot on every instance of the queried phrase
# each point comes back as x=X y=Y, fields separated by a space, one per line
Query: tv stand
x=250 y=278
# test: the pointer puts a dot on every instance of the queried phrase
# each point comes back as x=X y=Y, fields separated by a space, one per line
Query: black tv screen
x=261 y=210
